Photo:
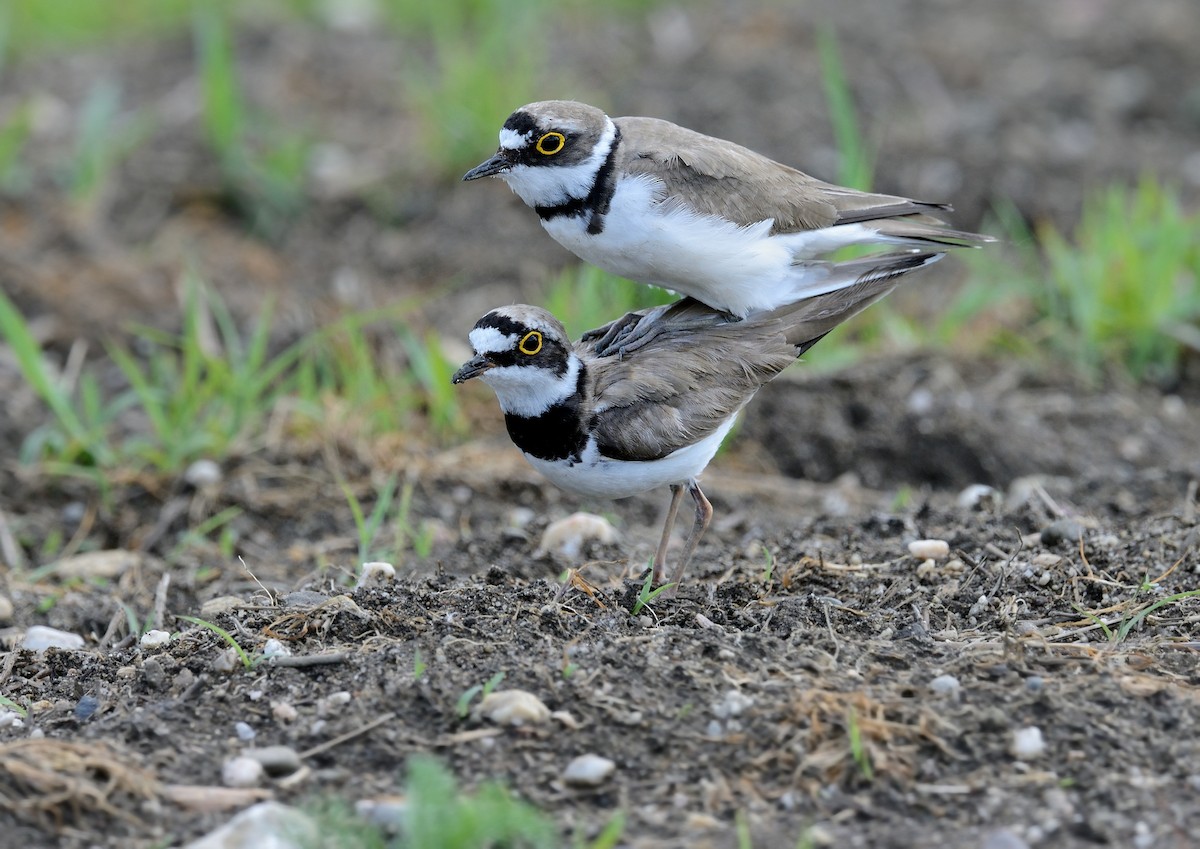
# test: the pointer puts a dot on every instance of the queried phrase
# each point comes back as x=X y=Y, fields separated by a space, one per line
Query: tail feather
x=862 y=283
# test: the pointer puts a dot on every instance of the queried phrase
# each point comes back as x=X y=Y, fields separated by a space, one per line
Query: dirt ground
x=805 y=623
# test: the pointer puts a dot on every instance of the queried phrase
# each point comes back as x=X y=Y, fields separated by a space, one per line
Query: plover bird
x=660 y=204
x=614 y=426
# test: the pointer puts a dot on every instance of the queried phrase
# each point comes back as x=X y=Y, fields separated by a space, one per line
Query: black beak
x=496 y=165
x=472 y=368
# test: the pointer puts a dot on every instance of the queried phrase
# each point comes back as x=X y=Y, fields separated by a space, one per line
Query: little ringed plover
x=664 y=205
x=614 y=426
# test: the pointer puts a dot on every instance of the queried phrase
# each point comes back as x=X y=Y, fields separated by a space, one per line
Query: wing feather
x=716 y=177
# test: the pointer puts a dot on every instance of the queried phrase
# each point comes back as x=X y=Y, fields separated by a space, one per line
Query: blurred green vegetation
x=1118 y=294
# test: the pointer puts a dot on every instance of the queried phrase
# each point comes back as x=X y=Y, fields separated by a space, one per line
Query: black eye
x=530 y=343
x=551 y=143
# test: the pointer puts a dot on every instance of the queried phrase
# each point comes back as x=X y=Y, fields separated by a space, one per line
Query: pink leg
x=704 y=513
x=660 y=556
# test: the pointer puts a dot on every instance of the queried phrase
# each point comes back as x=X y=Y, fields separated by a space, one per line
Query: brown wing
x=720 y=178
x=682 y=385
x=702 y=367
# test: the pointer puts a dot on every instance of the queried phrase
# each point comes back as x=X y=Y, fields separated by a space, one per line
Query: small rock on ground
x=267 y=825
x=589 y=771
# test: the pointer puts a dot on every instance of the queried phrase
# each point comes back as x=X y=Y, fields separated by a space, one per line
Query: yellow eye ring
x=551 y=143
x=530 y=343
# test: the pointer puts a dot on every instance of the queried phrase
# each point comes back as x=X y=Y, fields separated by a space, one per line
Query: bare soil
x=804 y=621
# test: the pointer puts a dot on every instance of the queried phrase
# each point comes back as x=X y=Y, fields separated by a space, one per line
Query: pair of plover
x=645 y=401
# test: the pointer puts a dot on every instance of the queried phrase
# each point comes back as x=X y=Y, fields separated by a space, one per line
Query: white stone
x=108 y=564
x=11 y=719
x=284 y=712
x=589 y=771
x=1027 y=743
x=275 y=760
x=40 y=638
x=979 y=495
x=274 y=648
x=733 y=703
x=929 y=549
x=221 y=604
x=267 y=825
x=245 y=731
x=242 y=772
x=566 y=537
x=513 y=707
x=6 y=609
x=227 y=661
x=384 y=811
x=944 y=684
x=203 y=473
x=154 y=639
x=376 y=572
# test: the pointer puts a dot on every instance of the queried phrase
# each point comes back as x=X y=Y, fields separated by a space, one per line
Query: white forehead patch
x=512 y=140
x=489 y=340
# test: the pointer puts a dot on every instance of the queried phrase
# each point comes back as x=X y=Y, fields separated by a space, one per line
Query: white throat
x=550 y=185
x=530 y=391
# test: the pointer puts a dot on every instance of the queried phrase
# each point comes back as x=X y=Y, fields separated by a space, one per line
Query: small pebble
x=153 y=674
x=276 y=760
x=1174 y=408
x=267 y=825
x=245 y=732
x=1143 y=837
x=86 y=707
x=376 y=572
x=221 y=604
x=274 y=648
x=304 y=598
x=589 y=771
x=519 y=517
x=1002 y=838
x=1034 y=683
x=1027 y=743
x=40 y=638
x=566 y=719
x=107 y=564
x=124 y=672
x=1064 y=530
x=227 y=661
x=386 y=812
x=203 y=473
x=154 y=639
x=284 y=712
x=733 y=704
x=566 y=537
x=242 y=772
x=11 y=719
x=929 y=549
x=979 y=496
x=944 y=684
x=184 y=678
x=6 y=609
x=513 y=707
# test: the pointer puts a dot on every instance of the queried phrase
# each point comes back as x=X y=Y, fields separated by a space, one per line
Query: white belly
x=729 y=267
x=598 y=477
